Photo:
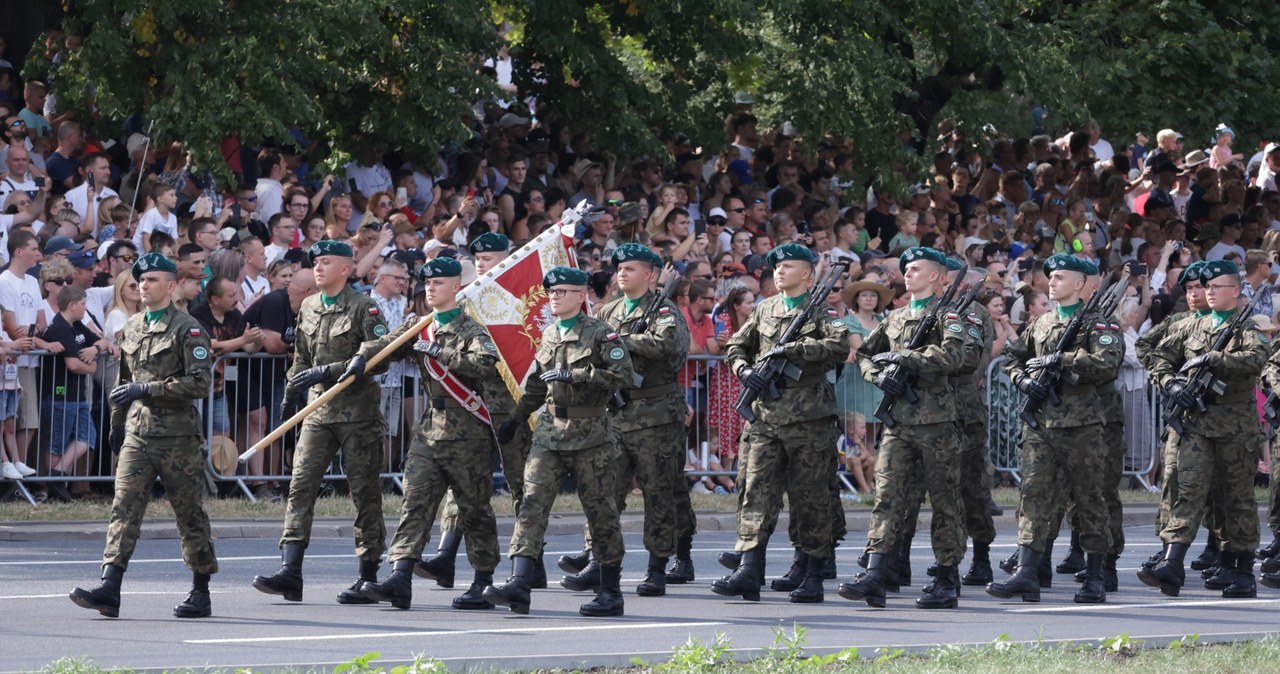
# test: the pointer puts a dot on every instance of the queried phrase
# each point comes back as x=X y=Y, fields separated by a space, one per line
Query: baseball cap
x=743 y=98
x=135 y=141
x=60 y=243
x=511 y=119
x=84 y=259
x=732 y=269
x=717 y=212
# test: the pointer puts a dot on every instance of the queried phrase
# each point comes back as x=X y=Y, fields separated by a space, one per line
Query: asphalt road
x=249 y=629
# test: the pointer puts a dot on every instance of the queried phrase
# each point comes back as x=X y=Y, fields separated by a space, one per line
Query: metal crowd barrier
x=1144 y=425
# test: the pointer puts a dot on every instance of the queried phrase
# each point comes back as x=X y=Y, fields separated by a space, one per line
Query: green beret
x=634 y=252
x=1065 y=262
x=790 y=251
x=921 y=253
x=1215 y=268
x=1191 y=273
x=153 y=262
x=954 y=263
x=440 y=267
x=327 y=247
x=490 y=242
x=564 y=276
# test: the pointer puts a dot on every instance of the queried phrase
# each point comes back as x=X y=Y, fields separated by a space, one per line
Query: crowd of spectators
x=78 y=210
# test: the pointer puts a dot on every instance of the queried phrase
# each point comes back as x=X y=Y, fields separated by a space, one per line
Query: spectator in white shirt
x=21 y=298
x=158 y=218
x=88 y=196
x=367 y=176
x=1231 y=229
x=255 y=284
x=19 y=174
x=283 y=229
x=270 y=191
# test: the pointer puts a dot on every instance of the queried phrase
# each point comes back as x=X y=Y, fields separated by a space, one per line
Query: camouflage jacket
x=657 y=354
x=469 y=354
x=981 y=331
x=1241 y=363
x=934 y=364
x=820 y=345
x=1093 y=358
x=1148 y=341
x=574 y=415
x=331 y=336
x=174 y=356
x=1109 y=396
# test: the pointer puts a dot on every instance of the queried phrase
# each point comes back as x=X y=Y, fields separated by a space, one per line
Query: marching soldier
x=790 y=447
x=925 y=434
x=331 y=327
x=648 y=428
x=579 y=365
x=488 y=249
x=164 y=369
x=450 y=448
x=1062 y=455
x=1216 y=448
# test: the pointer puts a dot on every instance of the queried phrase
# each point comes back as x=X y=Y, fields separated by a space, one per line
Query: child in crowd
x=12 y=466
x=707 y=484
x=1222 y=155
x=856 y=457
x=906 y=236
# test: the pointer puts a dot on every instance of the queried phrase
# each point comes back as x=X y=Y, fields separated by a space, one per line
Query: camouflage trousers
x=463 y=468
x=1169 y=489
x=179 y=463
x=797 y=460
x=361 y=448
x=975 y=488
x=1273 y=491
x=914 y=460
x=654 y=456
x=686 y=519
x=1061 y=465
x=592 y=470
x=1113 y=470
x=1221 y=469
x=513 y=454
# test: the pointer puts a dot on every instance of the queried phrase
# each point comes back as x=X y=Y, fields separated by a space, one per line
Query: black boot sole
x=1082 y=599
x=1167 y=589
x=193 y=614
x=376 y=596
x=468 y=605
x=421 y=570
x=1269 y=580
x=497 y=599
x=569 y=564
x=600 y=614
x=953 y=603
x=1030 y=597
x=729 y=560
x=261 y=584
x=721 y=588
x=650 y=591
x=104 y=609
x=806 y=600
x=874 y=601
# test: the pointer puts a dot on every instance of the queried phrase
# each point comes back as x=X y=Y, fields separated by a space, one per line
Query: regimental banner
x=510 y=301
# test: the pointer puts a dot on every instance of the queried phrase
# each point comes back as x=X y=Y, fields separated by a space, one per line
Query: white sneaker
x=9 y=472
x=27 y=471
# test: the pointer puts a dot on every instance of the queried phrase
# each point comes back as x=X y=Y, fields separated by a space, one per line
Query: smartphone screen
x=699 y=227
x=402 y=194
x=39 y=181
x=352 y=184
x=471 y=193
x=89 y=177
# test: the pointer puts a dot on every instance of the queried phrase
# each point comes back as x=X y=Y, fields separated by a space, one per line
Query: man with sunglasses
x=16 y=133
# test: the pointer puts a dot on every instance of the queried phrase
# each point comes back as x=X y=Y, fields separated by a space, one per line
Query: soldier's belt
x=1228 y=398
x=561 y=412
x=1079 y=389
x=166 y=404
x=441 y=402
x=784 y=383
x=651 y=392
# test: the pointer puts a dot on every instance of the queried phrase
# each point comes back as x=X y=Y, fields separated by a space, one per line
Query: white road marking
x=98 y=561
x=64 y=594
x=452 y=633
x=1172 y=603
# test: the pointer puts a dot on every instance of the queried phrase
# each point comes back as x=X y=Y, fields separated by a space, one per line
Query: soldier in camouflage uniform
x=1216 y=448
x=924 y=442
x=579 y=365
x=1062 y=455
x=164 y=368
x=790 y=447
x=331 y=327
x=1270 y=553
x=648 y=429
x=488 y=249
x=450 y=442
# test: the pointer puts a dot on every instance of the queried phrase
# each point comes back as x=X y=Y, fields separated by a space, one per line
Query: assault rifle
x=1200 y=379
x=774 y=367
x=640 y=325
x=918 y=338
x=1103 y=303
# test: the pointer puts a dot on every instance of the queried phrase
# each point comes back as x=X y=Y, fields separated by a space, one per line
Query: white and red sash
x=468 y=399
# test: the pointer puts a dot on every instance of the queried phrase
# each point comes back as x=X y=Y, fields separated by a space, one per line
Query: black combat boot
x=105 y=598
x=1093 y=591
x=368 y=574
x=1243 y=585
x=730 y=560
x=398 y=588
x=572 y=564
x=902 y=569
x=1111 y=579
x=829 y=563
x=1155 y=559
x=608 y=601
x=869 y=586
x=197 y=604
x=539 y=579
x=440 y=566
x=1271 y=564
x=1046 y=566
x=1209 y=556
x=655 y=579
x=745 y=580
x=288 y=580
x=1025 y=582
x=1074 y=561
x=682 y=571
x=1224 y=574
x=863 y=559
x=794 y=575
x=944 y=591
x=473 y=599
x=587 y=580
x=514 y=593
x=980 y=568
x=1010 y=564
x=1168 y=575
x=1270 y=549
x=809 y=590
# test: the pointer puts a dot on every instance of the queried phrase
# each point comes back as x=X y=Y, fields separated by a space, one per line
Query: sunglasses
x=537 y=199
x=299 y=205
x=384 y=204
x=17 y=123
x=59 y=281
x=740 y=210
x=613 y=202
x=127 y=258
x=251 y=198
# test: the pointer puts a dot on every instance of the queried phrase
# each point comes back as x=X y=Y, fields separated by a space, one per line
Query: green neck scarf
x=1220 y=317
x=443 y=317
x=1066 y=312
x=1202 y=312
x=793 y=302
x=917 y=305
x=631 y=304
x=566 y=324
x=327 y=300
x=153 y=316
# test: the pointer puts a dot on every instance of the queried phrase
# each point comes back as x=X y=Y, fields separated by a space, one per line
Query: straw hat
x=850 y=294
x=224 y=455
x=1264 y=324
